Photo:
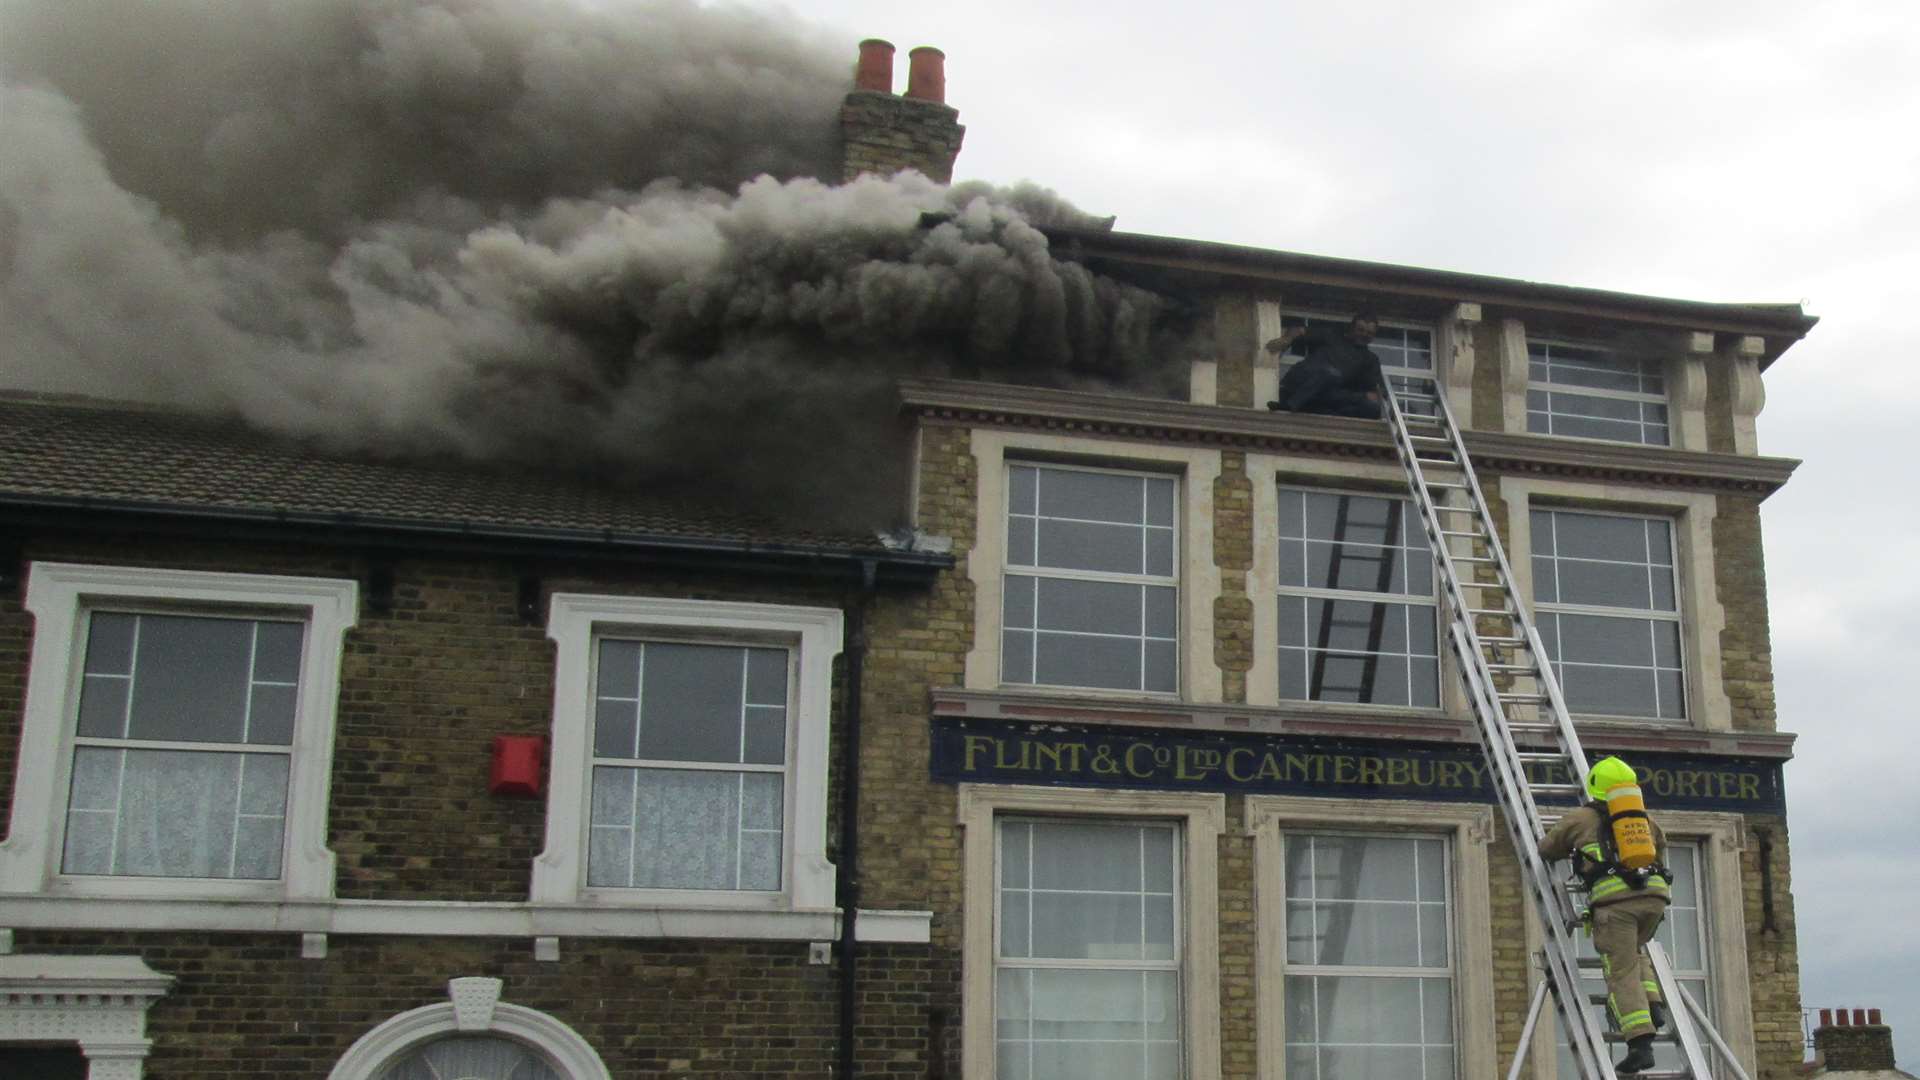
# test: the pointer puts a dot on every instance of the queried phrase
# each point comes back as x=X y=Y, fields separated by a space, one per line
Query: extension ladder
x=1532 y=750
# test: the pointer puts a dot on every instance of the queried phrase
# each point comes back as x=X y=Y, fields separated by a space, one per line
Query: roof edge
x=899 y=566
x=1790 y=319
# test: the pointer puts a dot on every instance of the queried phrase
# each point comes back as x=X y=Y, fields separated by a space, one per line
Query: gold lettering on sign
x=975 y=745
x=1134 y=769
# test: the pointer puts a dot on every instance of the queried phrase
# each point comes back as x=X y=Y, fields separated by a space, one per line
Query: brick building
x=1098 y=762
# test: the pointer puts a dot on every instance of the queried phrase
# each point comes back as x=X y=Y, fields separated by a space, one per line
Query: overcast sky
x=1751 y=151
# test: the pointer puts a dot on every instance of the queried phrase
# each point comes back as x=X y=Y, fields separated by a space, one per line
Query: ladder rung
x=1442 y=484
x=1522 y=697
x=1525 y=755
x=1470 y=558
x=1529 y=668
x=1489 y=611
x=1555 y=789
x=1476 y=534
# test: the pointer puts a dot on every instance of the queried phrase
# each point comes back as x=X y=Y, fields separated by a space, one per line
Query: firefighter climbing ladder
x=1522 y=723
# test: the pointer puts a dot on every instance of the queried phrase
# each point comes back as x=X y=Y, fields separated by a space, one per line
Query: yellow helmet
x=1609 y=772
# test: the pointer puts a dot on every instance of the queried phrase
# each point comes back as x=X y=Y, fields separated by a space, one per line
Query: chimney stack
x=875 y=71
x=882 y=133
x=1853 y=1041
x=927 y=75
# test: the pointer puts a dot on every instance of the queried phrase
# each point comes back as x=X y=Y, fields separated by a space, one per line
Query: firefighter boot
x=1639 y=1056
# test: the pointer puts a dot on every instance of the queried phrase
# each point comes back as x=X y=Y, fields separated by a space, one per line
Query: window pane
x=1611 y=665
x=765 y=739
x=191 y=677
x=1079 y=660
x=1018 y=602
x=767 y=677
x=276 y=653
x=1596 y=536
x=1366 y=906
x=1597 y=640
x=110 y=643
x=1101 y=891
x=1083 y=545
x=1095 y=1025
x=1603 y=584
x=685 y=829
x=270 y=714
x=1092 y=496
x=1160 y=501
x=690 y=702
x=103 y=706
x=1096 y=607
x=175 y=813
x=616 y=728
x=471 y=1057
x=1162 y=673
x=1016 y=657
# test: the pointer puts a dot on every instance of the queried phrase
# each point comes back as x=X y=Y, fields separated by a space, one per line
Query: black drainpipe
x=849 y=854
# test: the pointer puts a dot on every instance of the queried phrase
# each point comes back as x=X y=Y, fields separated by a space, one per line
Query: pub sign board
x=1095 y=756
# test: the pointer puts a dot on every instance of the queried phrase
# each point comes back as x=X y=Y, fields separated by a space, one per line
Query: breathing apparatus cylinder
x=1632 y=831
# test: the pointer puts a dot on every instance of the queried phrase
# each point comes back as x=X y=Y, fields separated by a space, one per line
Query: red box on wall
x=519 y=761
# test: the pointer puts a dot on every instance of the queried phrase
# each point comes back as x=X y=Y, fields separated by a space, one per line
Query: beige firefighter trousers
x=1621 y=931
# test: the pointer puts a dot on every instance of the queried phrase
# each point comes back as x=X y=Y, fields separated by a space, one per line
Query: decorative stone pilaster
x=1687 y=392
x=1749 y=395
x=99 y=1002
x=1513 y=375
x=1453 y=359
x=1236 y=347
x=1266 y=366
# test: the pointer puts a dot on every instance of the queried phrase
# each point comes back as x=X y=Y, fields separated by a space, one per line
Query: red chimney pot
x=927 y=74
x=1873 y=1016
x=1859 y=1018
x=875 y=70
x=1826 y=1017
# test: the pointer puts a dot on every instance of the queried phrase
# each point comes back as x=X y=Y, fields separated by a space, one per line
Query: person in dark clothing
x=1340 y=375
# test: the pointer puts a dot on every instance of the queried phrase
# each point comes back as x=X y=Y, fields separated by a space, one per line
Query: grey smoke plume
x=514 y=230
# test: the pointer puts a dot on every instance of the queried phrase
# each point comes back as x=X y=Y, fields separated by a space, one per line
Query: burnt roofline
x=916 y=568
x=1438 y=285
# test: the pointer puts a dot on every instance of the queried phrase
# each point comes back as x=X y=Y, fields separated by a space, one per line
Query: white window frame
x=1202 y=818
x=1609 y=612
x=1722 y=838
x=1056 y=573
x=1268 y=473
x=59 y=596
x=1410 y=521
x=1702 y=617
x=474 y=1008
x=1469 y=831
x=1196 y=471
x=1666 y=398
x=575 y=622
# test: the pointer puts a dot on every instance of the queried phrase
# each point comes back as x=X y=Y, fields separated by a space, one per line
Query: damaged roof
x=61 y=455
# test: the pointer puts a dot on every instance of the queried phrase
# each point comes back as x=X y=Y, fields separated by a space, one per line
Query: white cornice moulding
x=426 y=918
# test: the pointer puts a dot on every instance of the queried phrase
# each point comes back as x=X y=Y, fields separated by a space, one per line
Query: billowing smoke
x=603 y=240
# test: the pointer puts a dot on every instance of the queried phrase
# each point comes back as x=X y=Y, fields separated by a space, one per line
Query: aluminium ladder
x=1521 y=720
